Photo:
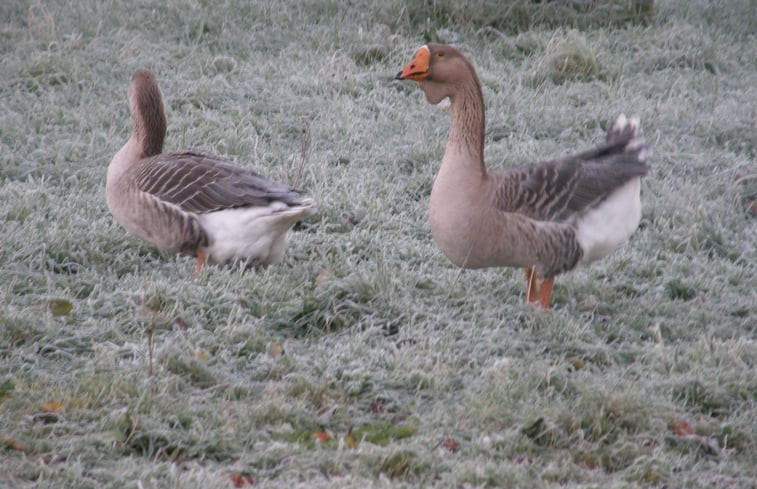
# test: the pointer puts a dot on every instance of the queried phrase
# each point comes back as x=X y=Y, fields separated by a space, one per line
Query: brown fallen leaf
x=240 y=480
x=276 y=349
x=683 y=428
x=52 y=407
x=179 y=323
x=12 y=444
x=321 y=435
x=451 y=445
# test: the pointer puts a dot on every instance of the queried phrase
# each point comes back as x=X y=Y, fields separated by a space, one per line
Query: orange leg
x=538 y=292
x=545 y=291
x=532 y=293
x=200 y=261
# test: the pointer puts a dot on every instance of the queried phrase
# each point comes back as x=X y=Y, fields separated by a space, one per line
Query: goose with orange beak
x=546 y=218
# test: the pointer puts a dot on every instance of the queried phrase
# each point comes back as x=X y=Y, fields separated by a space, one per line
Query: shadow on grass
x=337 y=306
x=168 y=440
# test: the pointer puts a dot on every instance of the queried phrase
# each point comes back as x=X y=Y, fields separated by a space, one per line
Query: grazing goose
x=546 y=218
x=192 y=202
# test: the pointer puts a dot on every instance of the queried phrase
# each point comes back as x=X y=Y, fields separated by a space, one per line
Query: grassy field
x=121 y=369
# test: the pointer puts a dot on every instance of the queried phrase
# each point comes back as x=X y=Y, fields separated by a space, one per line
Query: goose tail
x=626 y=130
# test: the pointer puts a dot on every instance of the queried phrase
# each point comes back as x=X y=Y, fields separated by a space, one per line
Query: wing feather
x=560 y=189
x=200 y=182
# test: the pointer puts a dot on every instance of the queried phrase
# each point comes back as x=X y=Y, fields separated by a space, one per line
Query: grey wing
x=556 y=190
x=200 y=182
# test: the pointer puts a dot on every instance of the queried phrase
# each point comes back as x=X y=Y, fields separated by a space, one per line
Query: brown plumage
x=193 y=202
x=546 y=218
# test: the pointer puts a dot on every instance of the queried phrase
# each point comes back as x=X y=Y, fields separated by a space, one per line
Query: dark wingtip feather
x=623 y=129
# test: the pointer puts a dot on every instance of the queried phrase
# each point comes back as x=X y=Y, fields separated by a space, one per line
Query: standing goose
x=546 y=218
x=192 y=202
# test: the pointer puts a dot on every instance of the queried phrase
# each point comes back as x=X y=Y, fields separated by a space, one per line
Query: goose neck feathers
x=148 y=113
x=443 y=72
x=468 y=124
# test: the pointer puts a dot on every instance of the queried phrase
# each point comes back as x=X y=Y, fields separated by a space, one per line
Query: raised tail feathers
x=626 y=130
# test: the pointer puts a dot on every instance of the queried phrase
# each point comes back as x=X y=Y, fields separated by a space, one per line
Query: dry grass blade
x=40 y=23
x=304 y=154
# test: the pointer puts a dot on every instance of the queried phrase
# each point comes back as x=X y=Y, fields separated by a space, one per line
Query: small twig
x=491 y=30
x=743 y=179
x=217 y=387
x=745 y=196
x=151 y=343
x=304 y=153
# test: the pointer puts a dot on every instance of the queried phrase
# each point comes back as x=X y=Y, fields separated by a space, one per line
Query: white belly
x=606 y=227
x=257 y=234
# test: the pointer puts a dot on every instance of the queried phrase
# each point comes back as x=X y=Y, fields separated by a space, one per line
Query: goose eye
x=439 y=55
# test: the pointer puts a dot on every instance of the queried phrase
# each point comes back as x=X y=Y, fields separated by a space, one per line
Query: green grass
x=165 y=379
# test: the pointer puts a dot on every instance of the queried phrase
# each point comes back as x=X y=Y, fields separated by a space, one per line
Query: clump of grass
x=568 y=58
x=339 y=304
x=170 y=440
x=678 y=290
x=382 y=433
x=401 y=464
x=694 y=394
x=521 y=15
x=746 y=191
x=192 y=369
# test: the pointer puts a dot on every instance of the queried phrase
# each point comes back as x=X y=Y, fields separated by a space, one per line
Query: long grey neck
x=149 y=117
x=466 y=135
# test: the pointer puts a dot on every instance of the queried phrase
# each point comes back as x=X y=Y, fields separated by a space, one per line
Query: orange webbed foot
x=201 y=259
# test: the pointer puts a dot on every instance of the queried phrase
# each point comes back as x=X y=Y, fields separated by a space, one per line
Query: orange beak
x=417 y=69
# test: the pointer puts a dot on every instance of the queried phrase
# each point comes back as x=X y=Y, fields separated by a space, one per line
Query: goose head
x=148 y=112
x=440 y=70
